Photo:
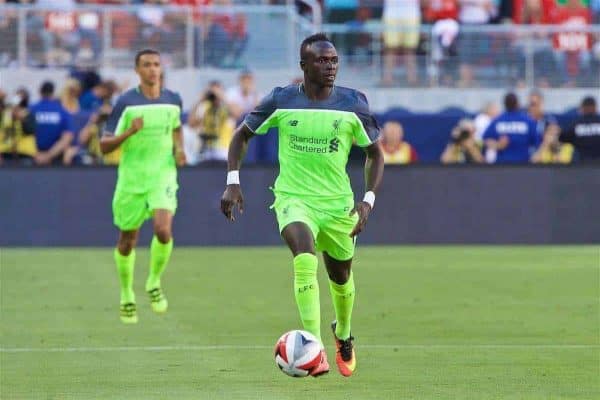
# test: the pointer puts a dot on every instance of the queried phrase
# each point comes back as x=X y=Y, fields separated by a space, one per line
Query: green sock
x=306 y=288
x=125 y=266
x=343 y=301
x=159 y=257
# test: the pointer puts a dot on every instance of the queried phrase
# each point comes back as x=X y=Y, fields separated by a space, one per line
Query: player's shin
x=125 y=267
x=306 y=289
x=343 y=302
x=160 y=253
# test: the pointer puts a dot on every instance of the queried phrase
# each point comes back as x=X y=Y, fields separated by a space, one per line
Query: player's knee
x=162 y=233
x=126 y=245
x=340 y=276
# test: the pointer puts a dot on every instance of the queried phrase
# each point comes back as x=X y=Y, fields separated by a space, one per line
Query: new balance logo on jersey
x=293 y=122
x=334 y=145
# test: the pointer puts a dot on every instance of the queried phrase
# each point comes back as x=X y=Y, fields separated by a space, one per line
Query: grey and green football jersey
x=315 y=138
x=146 y=157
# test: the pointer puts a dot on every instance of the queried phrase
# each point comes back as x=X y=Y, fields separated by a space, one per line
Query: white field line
x=263 y=347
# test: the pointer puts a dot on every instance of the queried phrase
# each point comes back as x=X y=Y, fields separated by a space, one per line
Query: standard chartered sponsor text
x=309 y=144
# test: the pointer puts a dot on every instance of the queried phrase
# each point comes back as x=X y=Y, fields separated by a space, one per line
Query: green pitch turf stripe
x=261 y=347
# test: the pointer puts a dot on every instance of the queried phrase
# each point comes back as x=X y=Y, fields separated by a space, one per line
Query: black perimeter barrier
x=416 y=205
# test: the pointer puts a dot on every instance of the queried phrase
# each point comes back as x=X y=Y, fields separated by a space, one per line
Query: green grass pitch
x=430 y=323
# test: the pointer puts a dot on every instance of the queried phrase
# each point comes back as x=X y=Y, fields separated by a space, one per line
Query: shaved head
x=307 y=43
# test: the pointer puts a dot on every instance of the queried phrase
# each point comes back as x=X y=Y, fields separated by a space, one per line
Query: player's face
x=321 y=64
x=149 y=69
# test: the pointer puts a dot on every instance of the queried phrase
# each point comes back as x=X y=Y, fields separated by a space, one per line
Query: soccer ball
x=297 y=353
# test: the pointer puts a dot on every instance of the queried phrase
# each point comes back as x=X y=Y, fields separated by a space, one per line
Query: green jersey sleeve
x=366 y=130
x=264 y=116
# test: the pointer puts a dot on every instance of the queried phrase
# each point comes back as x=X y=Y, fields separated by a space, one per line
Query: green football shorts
x=130 y=210
x=330 y=229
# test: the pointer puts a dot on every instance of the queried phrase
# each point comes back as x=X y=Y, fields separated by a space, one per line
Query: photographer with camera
x=211 y=119
x=462 y=147
x=17 y=129
x=551 y=151
x=87 y=150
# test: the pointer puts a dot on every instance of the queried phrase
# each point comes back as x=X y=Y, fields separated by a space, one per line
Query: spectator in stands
x=211 y=119
x=443 y=60
x=484 y=118
x=9 y=34
x=438 y=10
x=551 y=151
x=463 y=147
x=402 y=19
x=536 y=111
x=585 y=133
x=572 y=46
x=242 y=98
x=511 y=135
x=17 y=128
x=473 y=45
x=227 y=37
x=359 y=39
x=443 y=15
x=53 y=130
x=533 y=12
x=340 y=12
x=395 y=149
x=86 y=151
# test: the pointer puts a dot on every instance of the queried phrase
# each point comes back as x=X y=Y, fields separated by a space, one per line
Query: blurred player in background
x=145 y=124
x=318 y=123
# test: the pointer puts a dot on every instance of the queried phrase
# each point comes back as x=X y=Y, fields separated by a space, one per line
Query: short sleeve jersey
x=315 y=138
x=146 y=157
x=521 y=131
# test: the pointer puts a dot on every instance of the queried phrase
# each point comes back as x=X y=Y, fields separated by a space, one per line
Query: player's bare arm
x=178 y=147
x=373 y=177
x=233 y=192
x=110 y=143
x=46 y=157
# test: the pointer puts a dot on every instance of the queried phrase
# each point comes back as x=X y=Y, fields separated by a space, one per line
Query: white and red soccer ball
x=297 y=353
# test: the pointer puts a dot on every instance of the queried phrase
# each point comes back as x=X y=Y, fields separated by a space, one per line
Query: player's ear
x=302 y=64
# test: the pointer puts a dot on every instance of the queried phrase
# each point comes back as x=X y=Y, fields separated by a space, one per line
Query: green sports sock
x=343 y=301
x=125 y=266
x=306 y=288
x=159 y=257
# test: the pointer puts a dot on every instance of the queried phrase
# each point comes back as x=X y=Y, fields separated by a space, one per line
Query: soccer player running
x=145 y=124
x=318 y=122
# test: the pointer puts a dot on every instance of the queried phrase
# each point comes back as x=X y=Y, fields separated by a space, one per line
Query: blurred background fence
x=439 y=54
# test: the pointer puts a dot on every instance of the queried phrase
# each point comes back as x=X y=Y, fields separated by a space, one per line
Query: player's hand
x=363 y=209
x=232 y=197
x=42 y=158
x=180 y=157
x=503 y=142
x=136 y=125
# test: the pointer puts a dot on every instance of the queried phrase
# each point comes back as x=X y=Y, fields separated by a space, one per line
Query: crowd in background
x=65 y=125
x=63 y=36
x=454 y=47
x=447 y=53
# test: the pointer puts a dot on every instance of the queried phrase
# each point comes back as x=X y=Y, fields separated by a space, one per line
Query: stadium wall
x=416 y=205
